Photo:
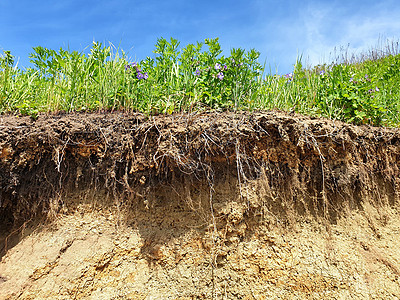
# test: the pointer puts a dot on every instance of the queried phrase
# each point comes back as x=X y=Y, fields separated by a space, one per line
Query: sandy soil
x=87 y=255
x=262 y=205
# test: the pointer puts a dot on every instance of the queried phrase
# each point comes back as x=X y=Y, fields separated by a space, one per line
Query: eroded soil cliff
x=210 y=205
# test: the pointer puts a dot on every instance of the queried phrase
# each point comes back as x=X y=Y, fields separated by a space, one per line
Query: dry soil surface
x=88 y=255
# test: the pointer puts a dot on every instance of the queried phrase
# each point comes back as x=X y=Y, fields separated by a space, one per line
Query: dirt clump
x=197 y=206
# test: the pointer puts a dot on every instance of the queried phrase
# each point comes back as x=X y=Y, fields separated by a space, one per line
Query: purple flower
x=289 y=75
x=225 y=67
x=197 y=72
x=367 y=78
x=373 y=90
x=217 y=66
x=132 y=65
x=220 y=75
x=139 y=76
x=322 y=72
x=145 y=75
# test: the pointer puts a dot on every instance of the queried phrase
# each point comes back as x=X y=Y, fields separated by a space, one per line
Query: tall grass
x=362 y=89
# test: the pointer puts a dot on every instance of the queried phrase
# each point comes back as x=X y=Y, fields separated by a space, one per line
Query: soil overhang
x=286 y=164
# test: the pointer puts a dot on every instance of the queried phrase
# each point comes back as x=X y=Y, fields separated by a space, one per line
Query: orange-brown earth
x=263 y=205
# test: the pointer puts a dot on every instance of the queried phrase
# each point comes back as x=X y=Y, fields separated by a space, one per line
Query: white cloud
x=313 y=29
x=330 y=26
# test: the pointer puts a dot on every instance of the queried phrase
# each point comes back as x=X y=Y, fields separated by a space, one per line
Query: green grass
x=359 y=90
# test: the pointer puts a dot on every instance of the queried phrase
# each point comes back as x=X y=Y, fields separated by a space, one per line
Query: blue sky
x=280 y=30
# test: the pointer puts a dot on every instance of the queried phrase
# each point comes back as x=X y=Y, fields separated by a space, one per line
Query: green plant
x=199 y=76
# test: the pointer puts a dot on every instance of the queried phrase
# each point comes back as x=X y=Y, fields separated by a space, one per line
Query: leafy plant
x=200 y=76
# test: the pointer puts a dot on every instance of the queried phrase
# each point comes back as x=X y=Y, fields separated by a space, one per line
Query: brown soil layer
x=207 y=205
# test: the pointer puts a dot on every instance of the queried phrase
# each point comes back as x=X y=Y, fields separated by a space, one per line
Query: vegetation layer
x=361 y=90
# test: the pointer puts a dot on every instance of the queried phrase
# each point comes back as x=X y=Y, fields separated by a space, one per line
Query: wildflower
x=217 y=66
x=351 y=79
x=145 y=75
x=289 y=77
x=376 y=89
x=127 y=67
x=139 y=76
x=322 y=72
x=197 y=72
x=225 y=67
x=367 y=78
x=220 y=75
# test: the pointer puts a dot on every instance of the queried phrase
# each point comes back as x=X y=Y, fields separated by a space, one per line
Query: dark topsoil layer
x=315 y=166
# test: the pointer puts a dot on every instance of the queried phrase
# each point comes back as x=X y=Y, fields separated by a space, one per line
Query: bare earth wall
x=215 y=194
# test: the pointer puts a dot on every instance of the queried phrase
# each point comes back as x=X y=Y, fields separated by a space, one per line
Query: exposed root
x=289 y=165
